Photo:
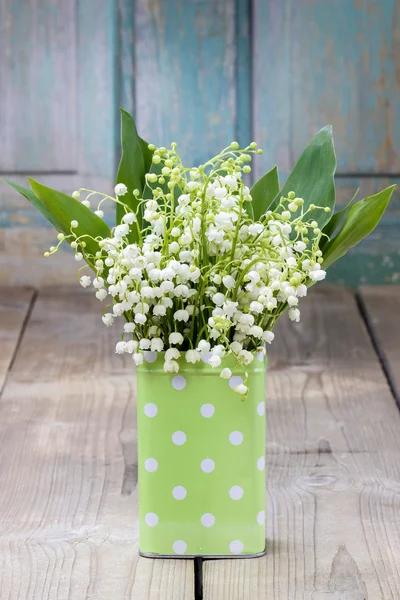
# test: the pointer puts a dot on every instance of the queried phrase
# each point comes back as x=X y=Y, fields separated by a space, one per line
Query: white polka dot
x=179 y=547
x=234 y=381
x=206 y=357
x=207 y=465
x=236 y=492
x=207 y=520
x=261 y=463
x=150 y=357
x=151 y=519
x=260 y=409
x=179 y=438
x=260 y=356
x=179 y=492
x=150 y=410
x=207 y=410
x=151 y=465
x=178 y=382
x=236 y=547
x=236 y=438
x=261 y=517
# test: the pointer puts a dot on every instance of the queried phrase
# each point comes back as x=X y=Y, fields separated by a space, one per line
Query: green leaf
x=147 y=156
x=264 y=191
x=313 y=177
x=134 y=164
x=33 y=199
x=65 y=209
x=335 y=221
x=362 y=218
x=248 y=206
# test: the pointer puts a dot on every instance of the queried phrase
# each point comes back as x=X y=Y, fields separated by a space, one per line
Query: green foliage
x=65 y=209
x=263 y=192
x=335 y=221
x=147 y=157
x=33 y=199
x=134 y=164
x=313 y=176
x=312 y=179
x=361 y=220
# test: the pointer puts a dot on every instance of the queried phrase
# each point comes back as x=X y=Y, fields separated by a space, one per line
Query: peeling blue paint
x=205 y=72
x=328 y=62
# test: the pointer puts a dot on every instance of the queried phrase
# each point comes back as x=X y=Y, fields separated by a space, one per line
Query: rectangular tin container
x=201 y=460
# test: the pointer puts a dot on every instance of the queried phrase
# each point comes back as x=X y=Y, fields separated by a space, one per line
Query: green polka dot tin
x=201 y=460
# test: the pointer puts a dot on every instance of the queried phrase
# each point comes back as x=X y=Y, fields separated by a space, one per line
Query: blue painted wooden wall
x=201 y=73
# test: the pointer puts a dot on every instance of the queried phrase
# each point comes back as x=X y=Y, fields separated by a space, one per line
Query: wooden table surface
x=68 y=519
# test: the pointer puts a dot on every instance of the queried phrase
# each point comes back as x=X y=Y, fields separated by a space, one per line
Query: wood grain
x=126 y=55
x=376 y=259
x=68 y=516
x=185 y=75
x=190 y=72
x=14 y=307
x=98 y=118
x=22 y=261
x=382 y=305
x=38 y=85
x=59 y=112
x=346 y=187
x=305 y=56
x=243 y=62
x=333 y=460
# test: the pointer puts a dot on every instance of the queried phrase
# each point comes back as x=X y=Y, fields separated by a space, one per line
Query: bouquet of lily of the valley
x=198 y=265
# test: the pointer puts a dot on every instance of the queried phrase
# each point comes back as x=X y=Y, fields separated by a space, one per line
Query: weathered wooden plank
x=243 y=47
x=376 y=260
x=346 y=187
x=16 y=210
x=58 y=74
x=14 y=308
x=38 y=85
x=24 y=238
x=287 y=112
x=25 y=235
x=333 y=460
x=382 y=305
x=328 y=62
x=68 y=514
x=126 y=56
x=22 y=261
x=98 y=100
x=185 y=78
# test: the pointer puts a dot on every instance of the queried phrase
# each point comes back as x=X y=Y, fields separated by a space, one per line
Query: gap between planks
x=376 y=306
x=282 y=363
x=68 y=495
x=16 y=304
x=333 y=462
x=379 y=306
